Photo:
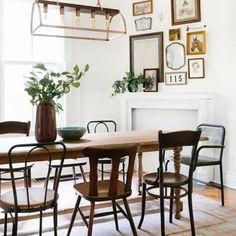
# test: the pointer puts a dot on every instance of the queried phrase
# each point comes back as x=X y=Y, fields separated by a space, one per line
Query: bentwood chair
x=40 y=196
x=95 y=126
x=13 y=128
x=161 y=180
x=110 y=189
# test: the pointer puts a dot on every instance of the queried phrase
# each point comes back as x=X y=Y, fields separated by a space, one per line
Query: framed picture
x=142 y=8
x=196 y=43
x=176 y=78
x=185 y=11
x=144 y=23
x=146 y=51
x=174 y=34
x=196 y=68
x=151 y=80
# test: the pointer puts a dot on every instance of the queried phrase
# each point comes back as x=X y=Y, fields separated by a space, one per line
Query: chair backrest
x=15 y=127
x=114 y=154
x=29 y=150
x=95 y=126
x=172 y=140
x=215 y=139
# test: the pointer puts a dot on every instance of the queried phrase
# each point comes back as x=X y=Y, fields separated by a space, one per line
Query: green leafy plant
x=129 y=82
x=44 y=85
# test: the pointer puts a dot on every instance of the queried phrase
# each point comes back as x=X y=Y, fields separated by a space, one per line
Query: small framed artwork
x=142 y=8
x=196 y=68
x=144 y=23
x=185 y=11
x=176 y=78
x=174 y=34
x=151 y=80
x=196 y=43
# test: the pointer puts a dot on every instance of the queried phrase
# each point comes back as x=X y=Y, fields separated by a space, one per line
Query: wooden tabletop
x=148 y=141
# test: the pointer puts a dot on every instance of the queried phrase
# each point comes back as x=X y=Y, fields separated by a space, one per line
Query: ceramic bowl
x=71 y=133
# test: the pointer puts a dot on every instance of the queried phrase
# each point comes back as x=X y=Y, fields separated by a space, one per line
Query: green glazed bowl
x=71 y=133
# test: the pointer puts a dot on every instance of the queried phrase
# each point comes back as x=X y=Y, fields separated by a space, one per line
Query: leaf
x=86 y=68
x=40 y=66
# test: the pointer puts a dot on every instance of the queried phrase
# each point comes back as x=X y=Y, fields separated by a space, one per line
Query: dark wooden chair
x=172 y=181
x=210 y=152
x=15 y=127
x=95 y=126
x=38 y=197
x=110 y=189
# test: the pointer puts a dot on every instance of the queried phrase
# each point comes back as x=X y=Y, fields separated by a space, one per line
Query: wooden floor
x=214 y=193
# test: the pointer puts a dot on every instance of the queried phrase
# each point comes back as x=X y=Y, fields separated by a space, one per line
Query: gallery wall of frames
x=181 y=55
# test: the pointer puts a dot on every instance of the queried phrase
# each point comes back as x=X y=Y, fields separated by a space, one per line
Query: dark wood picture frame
x=142 y=8
x=181 y=11
x=151 y=77
x=196 y=68
x=142 y=58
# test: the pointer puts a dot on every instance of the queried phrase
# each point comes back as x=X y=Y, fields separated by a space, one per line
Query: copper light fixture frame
x=84 y=9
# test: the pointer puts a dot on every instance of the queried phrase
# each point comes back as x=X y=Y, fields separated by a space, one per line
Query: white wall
x=110 y=60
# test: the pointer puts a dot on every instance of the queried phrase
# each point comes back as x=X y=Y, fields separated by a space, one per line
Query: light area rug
x=211 y=219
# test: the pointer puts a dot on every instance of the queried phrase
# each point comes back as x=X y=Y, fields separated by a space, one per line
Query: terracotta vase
x=45 y=125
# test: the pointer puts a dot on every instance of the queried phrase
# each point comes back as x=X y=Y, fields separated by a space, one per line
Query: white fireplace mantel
x=202 y=103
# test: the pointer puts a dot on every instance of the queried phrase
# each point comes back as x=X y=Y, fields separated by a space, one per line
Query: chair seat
x=17 y=167
x=36 y=198
x=108 y=161
x=103 y=187
x=202 y=160
x=68 y=163
x=169 y=179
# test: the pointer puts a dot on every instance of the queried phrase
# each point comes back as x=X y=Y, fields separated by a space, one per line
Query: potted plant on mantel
x=45 y=87
x=129 y=82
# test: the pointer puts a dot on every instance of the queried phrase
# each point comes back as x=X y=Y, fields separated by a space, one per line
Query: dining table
x=147 y=140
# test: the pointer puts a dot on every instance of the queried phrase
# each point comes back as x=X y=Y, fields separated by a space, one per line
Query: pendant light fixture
x=69 y=20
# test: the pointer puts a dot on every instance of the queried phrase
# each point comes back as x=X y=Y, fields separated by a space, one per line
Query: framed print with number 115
x=176 y=78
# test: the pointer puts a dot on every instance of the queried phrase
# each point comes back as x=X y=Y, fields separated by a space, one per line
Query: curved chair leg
x=190 y=207
x=143 y=206
x=40 y=222
x=73 y=215
x=55 y=178
x=55 y=219
x=5 y=224
x=123 y=171
x=166 y=165
x=222 y=185
x=74 y=174
x=29 y=177
x=82 y=173
x=102 y=170
x=115 y=215
x=91 y=217
x=171 y=205
x=15 y=225
x=130 y=217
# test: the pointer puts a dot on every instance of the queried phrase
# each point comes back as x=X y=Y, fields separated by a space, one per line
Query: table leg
x=140 y=172
x=178 y=202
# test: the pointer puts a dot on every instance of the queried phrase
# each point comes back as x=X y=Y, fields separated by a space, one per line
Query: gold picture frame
x=196 y=43
x=142 y=8
x=185 y=11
